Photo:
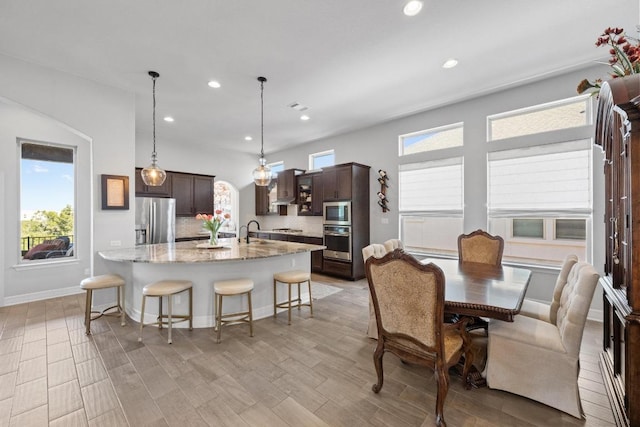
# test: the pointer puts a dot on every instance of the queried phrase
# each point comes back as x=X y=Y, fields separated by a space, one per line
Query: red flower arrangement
x=625 y=57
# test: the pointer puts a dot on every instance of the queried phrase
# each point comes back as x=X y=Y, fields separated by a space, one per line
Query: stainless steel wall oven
x=337 y=239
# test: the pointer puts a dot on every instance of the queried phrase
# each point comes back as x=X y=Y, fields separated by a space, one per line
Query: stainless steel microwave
x=337 y=213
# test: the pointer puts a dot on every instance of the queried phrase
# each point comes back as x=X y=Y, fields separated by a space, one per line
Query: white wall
x=107 y=116
x=377 y=146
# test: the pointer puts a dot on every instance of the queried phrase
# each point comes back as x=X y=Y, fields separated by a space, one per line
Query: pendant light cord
x=262 y=80
x=154 y=116
x=262 y=117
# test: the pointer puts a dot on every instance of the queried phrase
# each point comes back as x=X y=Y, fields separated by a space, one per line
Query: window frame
x=589 y=114
x=74 y=149
x=314 y=156
x=430 y=131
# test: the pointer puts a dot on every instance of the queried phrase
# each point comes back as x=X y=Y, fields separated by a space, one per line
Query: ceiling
x=354 y=63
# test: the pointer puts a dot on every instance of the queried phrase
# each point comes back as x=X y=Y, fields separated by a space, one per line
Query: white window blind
x=544 y=181
x=434 y=187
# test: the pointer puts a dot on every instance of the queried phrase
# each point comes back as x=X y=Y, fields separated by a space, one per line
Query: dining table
x=482 y=290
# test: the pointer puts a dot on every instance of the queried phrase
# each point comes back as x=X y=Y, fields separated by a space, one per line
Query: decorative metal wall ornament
x=382 y=194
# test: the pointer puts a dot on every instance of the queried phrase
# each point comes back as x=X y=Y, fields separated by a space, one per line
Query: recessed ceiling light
x=304 y=117
x=412 y=8
x=168 y=119
x=214 y=84
x=450 y=63
x=248 y=138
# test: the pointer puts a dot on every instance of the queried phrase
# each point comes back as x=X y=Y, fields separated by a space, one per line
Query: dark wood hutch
x=618 y=133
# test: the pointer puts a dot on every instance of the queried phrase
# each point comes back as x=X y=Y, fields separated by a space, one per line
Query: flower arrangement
x=625 y=57
x=213 y=223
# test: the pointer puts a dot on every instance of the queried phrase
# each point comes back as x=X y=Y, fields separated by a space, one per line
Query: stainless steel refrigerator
x=155 y=220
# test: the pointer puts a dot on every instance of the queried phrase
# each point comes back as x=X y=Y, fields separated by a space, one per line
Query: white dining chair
x=539 y=359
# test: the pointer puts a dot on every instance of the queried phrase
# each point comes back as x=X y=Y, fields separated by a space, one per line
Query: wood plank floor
x=316 y=372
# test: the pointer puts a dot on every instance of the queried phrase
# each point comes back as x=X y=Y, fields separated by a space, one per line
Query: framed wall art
x=115 y=192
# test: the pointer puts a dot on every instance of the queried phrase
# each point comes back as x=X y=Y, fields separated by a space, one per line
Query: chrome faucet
x=248 y=224
x=240 y=232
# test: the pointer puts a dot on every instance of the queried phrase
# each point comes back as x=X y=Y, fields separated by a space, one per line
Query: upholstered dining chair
x=480 y=246
x=548 y=312
x=408 y=299
x=376 y=250
x=392 y=244
x=539 y=359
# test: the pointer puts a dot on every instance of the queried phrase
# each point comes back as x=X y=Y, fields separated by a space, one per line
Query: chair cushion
x=166 y=287
x=233 y=287
x=535 y=309
x=535 y=332
x=294 y=276
x=101 y=282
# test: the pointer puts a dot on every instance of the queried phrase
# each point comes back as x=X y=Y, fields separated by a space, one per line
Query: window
x=571 y=229
x=275 y=168
x=431 y=205
x=544 y=193
x=47 y=201
x=431 y=139
x=564 y=114
x=322 y=159
x=530 y=228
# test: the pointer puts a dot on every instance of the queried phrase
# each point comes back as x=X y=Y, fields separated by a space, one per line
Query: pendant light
x=262 y=174
x=152 y=175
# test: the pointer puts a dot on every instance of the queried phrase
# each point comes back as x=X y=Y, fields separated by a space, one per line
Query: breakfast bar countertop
x=189 y=252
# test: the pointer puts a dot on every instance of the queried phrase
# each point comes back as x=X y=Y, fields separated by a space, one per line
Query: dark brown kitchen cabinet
x=336 y=182
x=143 y=190
x=287 y=190
x=316 y=256
x=265 y=200
x=349 y=182
x=310 y=194
x=193 y=193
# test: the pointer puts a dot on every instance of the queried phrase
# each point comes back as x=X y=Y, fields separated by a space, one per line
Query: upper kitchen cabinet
x=341 y=182
x=287 y=190
x=193 y=193
x=310 y=194
x=143 y=190
x=266 y=200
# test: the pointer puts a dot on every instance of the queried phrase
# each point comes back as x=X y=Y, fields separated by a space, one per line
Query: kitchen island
x=257 y=260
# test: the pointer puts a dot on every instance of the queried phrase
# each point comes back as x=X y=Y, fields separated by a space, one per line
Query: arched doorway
x=225 y=198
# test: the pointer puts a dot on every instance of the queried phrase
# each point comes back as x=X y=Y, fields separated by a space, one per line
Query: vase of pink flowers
x=213 y=224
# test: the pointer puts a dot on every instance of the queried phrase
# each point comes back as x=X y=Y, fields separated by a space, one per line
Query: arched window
x=225 y=198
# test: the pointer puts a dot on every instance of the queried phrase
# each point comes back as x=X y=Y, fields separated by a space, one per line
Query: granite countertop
x=188 y=252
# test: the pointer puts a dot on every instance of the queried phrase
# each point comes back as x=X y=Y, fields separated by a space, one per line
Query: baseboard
x=38 y=296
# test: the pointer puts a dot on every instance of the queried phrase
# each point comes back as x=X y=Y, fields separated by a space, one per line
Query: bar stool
x=102 y=282
x=291 y=278
x=225 y=288
x=167 y=288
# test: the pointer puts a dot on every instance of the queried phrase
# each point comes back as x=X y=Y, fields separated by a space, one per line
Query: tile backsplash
x=191 y=227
